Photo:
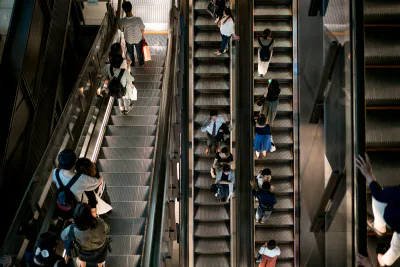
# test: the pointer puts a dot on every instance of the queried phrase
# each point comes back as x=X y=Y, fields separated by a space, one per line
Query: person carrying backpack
x=72 y=187
x=120 y=83
x=265 y=52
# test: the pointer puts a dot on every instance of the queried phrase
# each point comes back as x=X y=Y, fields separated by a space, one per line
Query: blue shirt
x=265 y=197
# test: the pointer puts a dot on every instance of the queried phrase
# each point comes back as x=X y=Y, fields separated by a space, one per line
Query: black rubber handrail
x=244 y=128
x=317 y=6
x=358 y=67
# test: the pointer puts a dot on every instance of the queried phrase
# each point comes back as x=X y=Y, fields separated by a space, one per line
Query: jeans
x=122 y=102
x=262 y=214
x=393 y=253
x=139 y=52
x=224 y=43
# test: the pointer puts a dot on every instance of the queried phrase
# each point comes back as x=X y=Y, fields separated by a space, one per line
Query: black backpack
x=265 y=53
x=115 y=87
x=66 y=200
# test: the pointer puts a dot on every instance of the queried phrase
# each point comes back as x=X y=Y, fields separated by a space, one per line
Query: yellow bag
x=146 y=51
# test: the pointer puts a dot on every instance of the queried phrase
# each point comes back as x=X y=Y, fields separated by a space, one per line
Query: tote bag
x=146 y=51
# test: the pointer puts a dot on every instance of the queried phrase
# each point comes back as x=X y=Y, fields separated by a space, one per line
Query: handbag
x=212 y=9
x=71 y=246
x=146 y=51
x=260 y=101
x=134 y=94
x=273 y=147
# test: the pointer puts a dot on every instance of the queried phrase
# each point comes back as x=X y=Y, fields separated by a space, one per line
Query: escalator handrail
x=318 y=6
x=62 y=123
x=155 y=217
x=358 y=68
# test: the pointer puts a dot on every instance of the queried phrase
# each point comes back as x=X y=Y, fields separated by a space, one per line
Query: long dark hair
x=83 y=218
x=228 y=12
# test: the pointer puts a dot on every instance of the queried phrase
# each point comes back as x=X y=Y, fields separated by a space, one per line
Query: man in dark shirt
x=386 y=208
x=266 y=202
x=222 y=158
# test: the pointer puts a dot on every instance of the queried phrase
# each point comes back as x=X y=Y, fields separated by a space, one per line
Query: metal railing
x=39 y=199
x=161 y=227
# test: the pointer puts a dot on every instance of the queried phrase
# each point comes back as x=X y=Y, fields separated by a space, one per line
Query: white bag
x=102 y=206
x=134 y=94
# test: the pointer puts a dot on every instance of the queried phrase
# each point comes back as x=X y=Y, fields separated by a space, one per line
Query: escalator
x=277 y=16
x=126 y=161
x=211 y=219
x=382 y=71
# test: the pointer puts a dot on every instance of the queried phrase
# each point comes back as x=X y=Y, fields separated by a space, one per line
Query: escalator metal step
x=132 y=209
x=127 y=244
x=278 y=219
x=137 y=111
x=127 y=226
x=123 y=120
x=211 y=229
x=272 y=11
x=381 y=12
x=124 y=261
x=208 y=37
x=127 y=179
x=282 y=154
x=147 y=70
x=149 y=92
x=204 y=21
x=277 y=27
x=211 y=213
x=129 y=193
x=281 y=235
x=218 y=69
x=142 y=85
x=212 y=261
x=126 y=153
x=211 y=101
x=147 y=78
x=118 y=165
x=382 y=128
x=125 y=142
x=142 y=130
x=204 y=84
x=382 y=45
x=213 y=246
x=284 y=202
x=381 y=87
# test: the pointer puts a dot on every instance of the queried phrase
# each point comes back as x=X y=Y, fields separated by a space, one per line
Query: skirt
x=262 y=142
x=269 y=109
x=95 y=256
x=263 y=65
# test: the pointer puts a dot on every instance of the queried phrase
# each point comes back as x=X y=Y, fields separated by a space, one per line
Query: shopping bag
x=146 y=51
x=102 y=207
x=211 y=8
x=134 y=94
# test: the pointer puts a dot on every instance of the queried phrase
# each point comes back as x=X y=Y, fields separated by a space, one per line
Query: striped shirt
x=132 y=26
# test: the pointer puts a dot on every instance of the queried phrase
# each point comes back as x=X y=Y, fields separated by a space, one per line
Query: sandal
x=217 y=53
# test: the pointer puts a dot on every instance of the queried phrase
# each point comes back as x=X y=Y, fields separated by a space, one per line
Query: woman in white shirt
x=227 y=28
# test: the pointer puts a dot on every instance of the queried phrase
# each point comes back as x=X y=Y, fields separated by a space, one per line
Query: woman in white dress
x=227 y=28
x=265 y=41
